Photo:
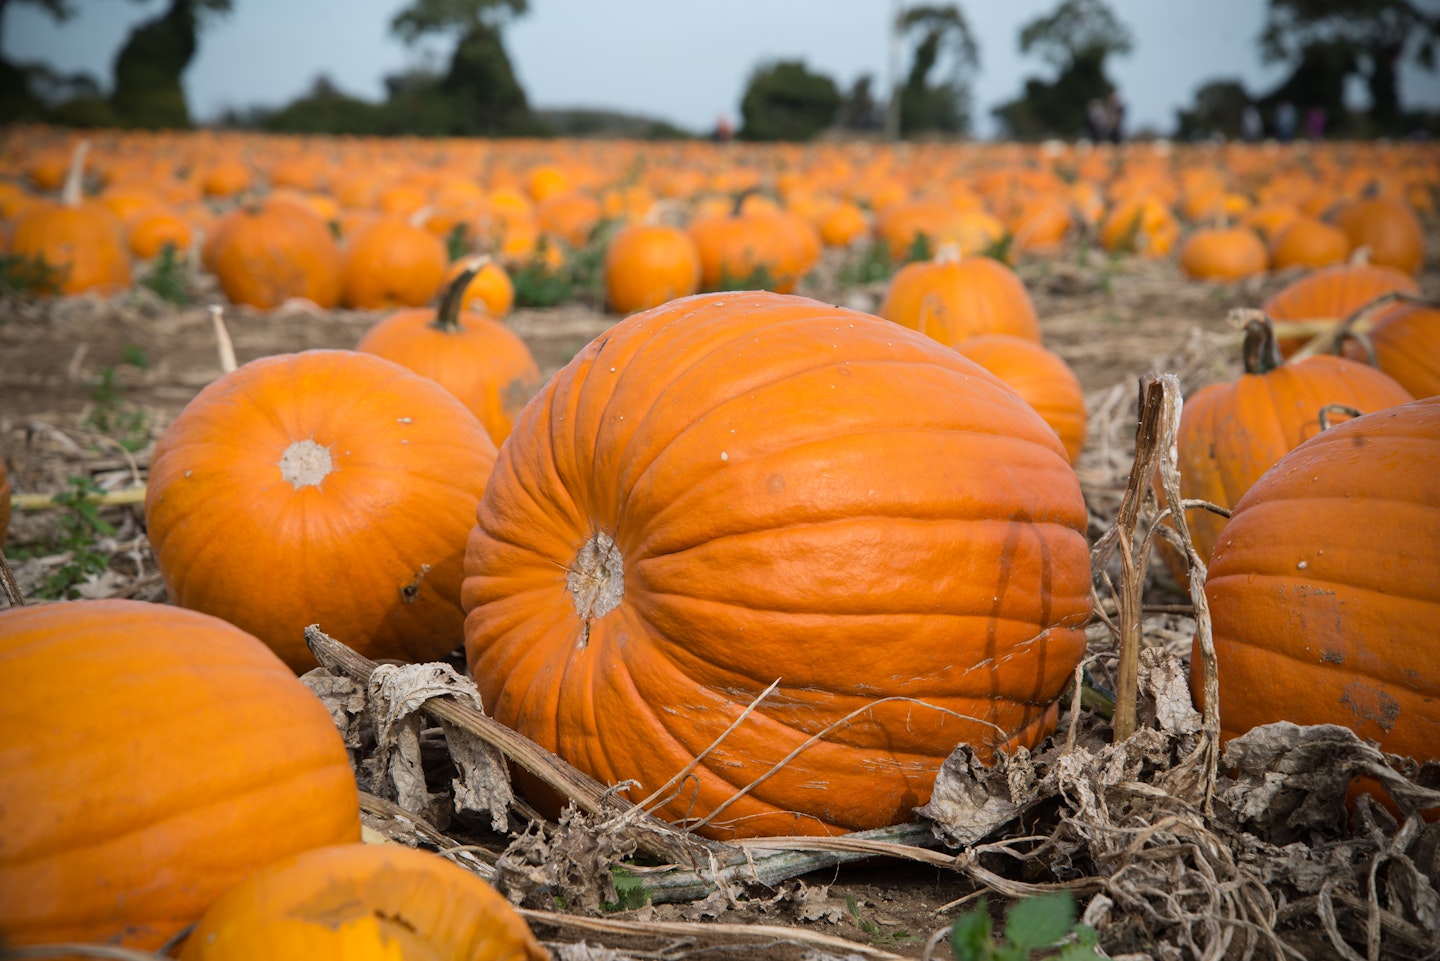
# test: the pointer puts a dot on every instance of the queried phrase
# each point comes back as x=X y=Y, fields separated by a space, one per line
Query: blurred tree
x=17 y=100
x=148 y=91
x=944 y=106
x=1371 y=37
x=785 y=101
x=859 y=110
x=479 y=91
x=1219 y=107
x=1076 y=39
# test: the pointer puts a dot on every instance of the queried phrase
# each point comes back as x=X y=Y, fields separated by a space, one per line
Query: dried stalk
x=79 y=951
x=734 y=934
x=45 y=502
x=462 y=854
x=7 y=580
x=650 y=834
x=223 y=345
x=1333 y=333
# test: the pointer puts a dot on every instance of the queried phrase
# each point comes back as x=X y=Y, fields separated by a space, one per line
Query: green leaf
x=1040 y=921
x=970 y=934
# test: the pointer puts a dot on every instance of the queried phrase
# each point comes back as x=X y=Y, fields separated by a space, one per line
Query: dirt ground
x=83 y=378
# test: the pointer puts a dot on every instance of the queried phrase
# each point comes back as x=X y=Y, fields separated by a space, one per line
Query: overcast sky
x=677 y=60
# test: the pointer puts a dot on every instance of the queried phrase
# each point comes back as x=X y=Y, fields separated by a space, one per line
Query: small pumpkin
x=358 y=902
x=194 y=758
x=479 y=360
x=1231 y=433
x=328 y=487
x=1041 y=378
x=953 y=299
x=733 y=488
x=1333 y=293
x=392 y=263
x=264 y=255
x=757 y=245
x=84 y=243
x=1223 y=254
x=1142 y=225
x=1324 y=589
x=648 y=264
x=1388 y=229
x=1406 y=342
x=491 y=291
x=1308 y=242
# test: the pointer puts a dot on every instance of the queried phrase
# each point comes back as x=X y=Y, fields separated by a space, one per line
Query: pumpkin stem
x=452 y=302
x=305 y=463
x=1260 y=352
x=1362 y=339
x=948 y=254
x=1345 y=409
x=223 y=344
x=596 y=581
x=73 y=191
x=1359 y=257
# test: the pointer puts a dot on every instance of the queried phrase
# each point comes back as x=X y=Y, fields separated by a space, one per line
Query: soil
x=76 y=371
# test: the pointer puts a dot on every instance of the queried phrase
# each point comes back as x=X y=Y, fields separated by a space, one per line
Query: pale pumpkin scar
x=596 y=581
x=305 y=463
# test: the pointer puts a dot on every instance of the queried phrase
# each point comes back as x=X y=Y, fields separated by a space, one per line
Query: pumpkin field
x=704 y=550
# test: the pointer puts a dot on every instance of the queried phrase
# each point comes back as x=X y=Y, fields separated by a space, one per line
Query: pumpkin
x=479 y=360
x=392 y=263
x=1406 y=342
x=843 y=224
x=953 y=299
x=1041 y=378
x=746 y=250
x=268 y=254
x=1308 y=242
x=328 y=487
x=1325 y=587
x=1388 y=229
x=647 y=264
x=192 y=758
x=1223 y=254
x=1332 y=294
x=491 y=291
x=1142 y=225
x=84 y=243
x=569 y=217
x=151 y=231
x=362 y=902
x=1232 y=433
x=226 y=178
x=735 y=488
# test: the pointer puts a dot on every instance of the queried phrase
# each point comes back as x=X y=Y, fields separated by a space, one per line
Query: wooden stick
x=45 y=502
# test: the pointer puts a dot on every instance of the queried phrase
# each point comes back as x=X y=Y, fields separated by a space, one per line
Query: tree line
x=1325 y=44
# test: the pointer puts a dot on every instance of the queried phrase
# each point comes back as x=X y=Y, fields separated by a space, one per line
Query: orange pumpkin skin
x=1389 y=229
x=1333 y=293
x=491 y=291
x=1307 y=242
x=194 y=758
x=1041 y=378
x=481 y=361
x=953 y=300
x=328 y=487
x=84 y=244
x=152 y=230
x=748 y=250
x=1325 y=587
x=734 y=488
x=1407 y=347
x=1230 y=253
x=390 y=263
x=1230 y=434
x=264 y=256
x=356 y=902
x=649 y=264
x=1143 y=225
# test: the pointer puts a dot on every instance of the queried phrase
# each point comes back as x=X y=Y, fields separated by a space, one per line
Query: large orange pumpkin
x=151 y=757
x=362 y=902
x=479 y=360
x=953 y=299
x=1332 y=294
x=737 y=488
x=266 y=255
x=1039 y=376
x=1407 y=347
x=328 y=487
x=647 y=264
x=1232 y=433
x=1325 y=586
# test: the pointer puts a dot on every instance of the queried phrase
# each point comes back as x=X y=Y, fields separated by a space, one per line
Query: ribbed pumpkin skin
x=483 y=363
x=1325 y=587
x=1041 y=378
x=794 y=491
x=357 y=902
x=1333 y=293
x=1407 y=347
x=151 y=757
x=1232 y=433
x=954 y=300
x=648 y=264
x=372 y=553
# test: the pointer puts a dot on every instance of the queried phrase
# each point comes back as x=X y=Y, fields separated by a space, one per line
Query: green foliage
x=629 y=888
x=758 y=279
x=169 y=278
x=149 y=68
x=1218 y=108
x=457 y=242
x=75 y=533
x=1031 y=924
x=921 y=248
x=786 y=101
x=872 y=265
x=424 y=17
x=943 y=106
x=999 y=248
x=110 y=415
x=29 y=275
x=876 y=933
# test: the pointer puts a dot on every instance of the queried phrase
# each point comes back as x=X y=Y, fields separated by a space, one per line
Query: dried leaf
x=970 y=800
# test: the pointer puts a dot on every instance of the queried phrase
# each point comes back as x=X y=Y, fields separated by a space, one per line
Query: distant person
x=1315 y=119
x=724 y=130
x=1285 y=121
x=1115 y=117
x=1252 y=128
x=1096 y=121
